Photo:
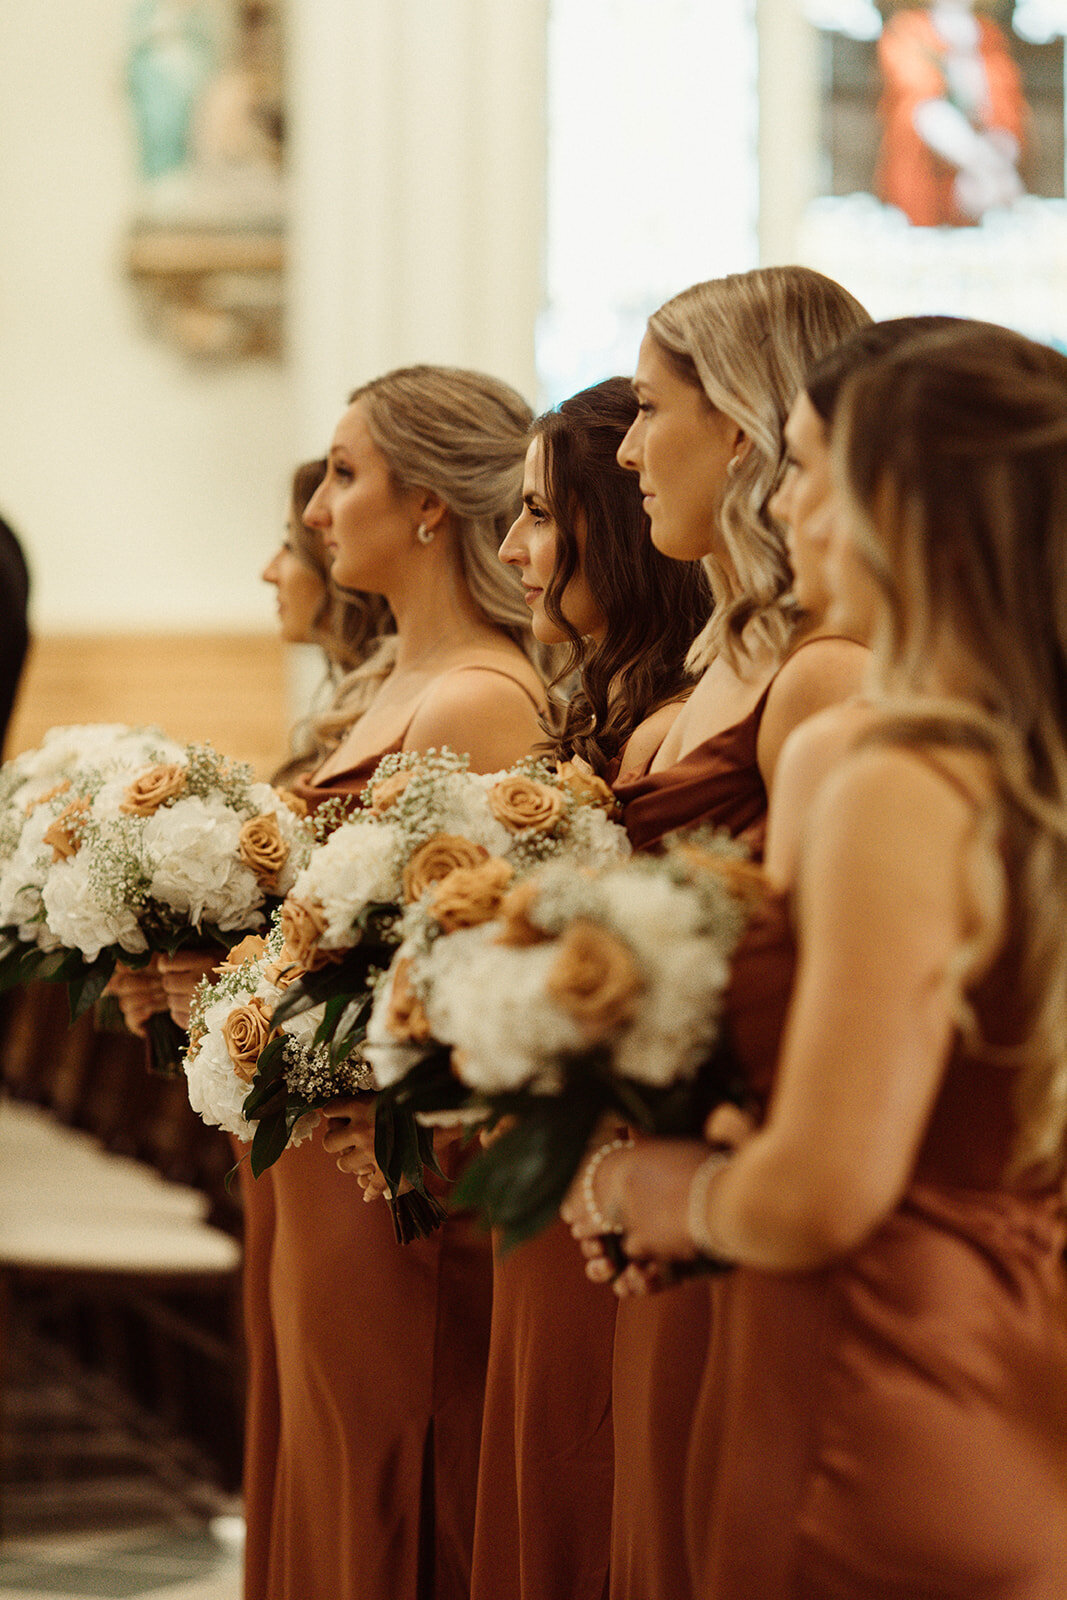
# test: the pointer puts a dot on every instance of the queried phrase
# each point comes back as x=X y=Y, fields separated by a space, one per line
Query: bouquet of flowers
x=433 y=844
x=117 y=843
x=582 y=997
x=263 y=1084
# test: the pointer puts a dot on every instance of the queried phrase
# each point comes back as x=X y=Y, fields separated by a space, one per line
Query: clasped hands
x=642 y=1191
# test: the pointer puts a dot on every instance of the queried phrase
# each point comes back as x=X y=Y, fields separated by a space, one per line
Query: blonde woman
x=890 y=1394
x=717 y=371
x=379 y=1352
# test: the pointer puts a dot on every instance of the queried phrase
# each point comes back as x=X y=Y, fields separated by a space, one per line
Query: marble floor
x=94 y=1503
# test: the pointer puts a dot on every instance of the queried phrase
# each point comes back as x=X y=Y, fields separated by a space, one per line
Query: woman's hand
x=642 y=1192
x=350 y=1137
x=140 y=994
x=180 y=975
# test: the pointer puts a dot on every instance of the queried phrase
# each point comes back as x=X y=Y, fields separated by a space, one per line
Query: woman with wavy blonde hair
x=887 y=1406
x=363 y=1454
x=716 y=374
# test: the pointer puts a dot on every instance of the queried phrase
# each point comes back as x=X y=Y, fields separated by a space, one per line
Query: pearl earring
x=424 y=534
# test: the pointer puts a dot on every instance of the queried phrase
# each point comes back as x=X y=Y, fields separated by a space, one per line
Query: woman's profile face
x=367 y=524
x=681 y=449
x=532 y=545
x=301 y=591
x=804 y=504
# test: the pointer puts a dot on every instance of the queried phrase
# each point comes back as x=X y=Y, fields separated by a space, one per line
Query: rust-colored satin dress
x=661 y=1343
x=543 y=1526
x=367 y=1371
x=894 y=1426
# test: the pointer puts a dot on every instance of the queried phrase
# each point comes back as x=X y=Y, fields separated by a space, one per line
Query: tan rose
x=436 y=859
x=50 y=794
x=282 y=972
x=404 y=1015
x=295 y=803
x=146 y=794
x=302 y=927
x=469 y=896
x=245 y=1032
x=583 y=783
x=514 y=915
x=744 y=879
x=65 y=833
x=250 y=948
x=263 y=850
x=388 y=791
x=594 y=979
x=524 y=803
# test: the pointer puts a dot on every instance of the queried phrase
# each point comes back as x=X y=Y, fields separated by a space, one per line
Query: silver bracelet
x=592 y=1167
x=696 y=1211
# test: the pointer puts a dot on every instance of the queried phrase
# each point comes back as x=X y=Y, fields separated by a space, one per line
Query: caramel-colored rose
x=404 y=1015
x=250 y=948
x=263 y=850
x=469 y=896
x=744 y=879
x=388 y=791
x=65 y=833
x=50 y=794
x=594 y=979
x=583 y=783
x=514 y=915
x=295 y=803
x=302 y=927
x=245 y=1032
x=436 y=859
x=524 y=803
x=146 y=794
x=283 y=972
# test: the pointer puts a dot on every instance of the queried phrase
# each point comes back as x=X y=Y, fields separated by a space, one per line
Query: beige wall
x=147 y=489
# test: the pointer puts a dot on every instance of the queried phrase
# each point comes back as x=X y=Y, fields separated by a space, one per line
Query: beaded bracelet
x=696 y=1211
x=592 y=1167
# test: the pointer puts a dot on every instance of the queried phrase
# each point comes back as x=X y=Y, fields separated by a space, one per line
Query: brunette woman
x=593 y=581
x=891 y=1412
x=718 y=368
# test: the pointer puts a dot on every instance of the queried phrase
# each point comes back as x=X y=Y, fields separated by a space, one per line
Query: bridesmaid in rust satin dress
x=705 y=457
x=543 y=1522
x=884 y=1413
x=369 y=1469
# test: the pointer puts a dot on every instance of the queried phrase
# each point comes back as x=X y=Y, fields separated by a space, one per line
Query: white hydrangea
x=359 y=864
x=79 y=920
x=190 y=852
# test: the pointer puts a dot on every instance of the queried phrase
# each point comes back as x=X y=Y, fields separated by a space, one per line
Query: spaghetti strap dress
x=368 y=1362
x=893 y=1426
x=661 y=1343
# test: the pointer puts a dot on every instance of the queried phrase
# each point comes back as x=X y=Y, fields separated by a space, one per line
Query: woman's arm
x=883 y=913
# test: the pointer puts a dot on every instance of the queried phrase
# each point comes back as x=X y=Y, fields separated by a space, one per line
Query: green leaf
x=85 y=989
x=271 y=1138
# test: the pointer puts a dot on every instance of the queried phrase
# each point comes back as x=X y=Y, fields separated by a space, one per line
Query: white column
x=417 y=163
x=788 y=124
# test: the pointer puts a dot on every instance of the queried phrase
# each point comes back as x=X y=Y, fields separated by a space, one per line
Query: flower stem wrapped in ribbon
x=584 y=997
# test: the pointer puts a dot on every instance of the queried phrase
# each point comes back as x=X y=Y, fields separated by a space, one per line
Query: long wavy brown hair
x=951 y=457
x=652 y=607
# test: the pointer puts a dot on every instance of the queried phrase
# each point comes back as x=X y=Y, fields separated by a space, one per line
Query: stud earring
x=424 y=534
